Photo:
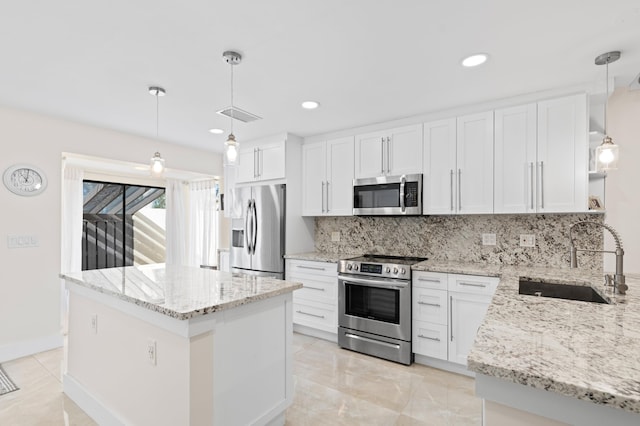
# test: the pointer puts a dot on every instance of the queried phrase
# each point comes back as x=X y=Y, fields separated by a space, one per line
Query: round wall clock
x=23 y=179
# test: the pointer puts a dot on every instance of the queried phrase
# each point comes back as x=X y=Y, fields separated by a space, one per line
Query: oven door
x=380 y=306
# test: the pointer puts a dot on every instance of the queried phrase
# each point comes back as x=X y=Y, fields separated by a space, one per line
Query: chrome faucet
x=617 y=281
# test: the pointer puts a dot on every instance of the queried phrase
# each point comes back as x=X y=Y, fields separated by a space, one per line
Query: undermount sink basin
x=560 y=291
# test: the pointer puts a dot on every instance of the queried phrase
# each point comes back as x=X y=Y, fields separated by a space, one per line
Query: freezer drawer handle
x=377 y=342
x=311 y=315
x=430 y=338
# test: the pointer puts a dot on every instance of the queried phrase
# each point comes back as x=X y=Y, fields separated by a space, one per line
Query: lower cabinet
x=447 y=312
x=315 y=305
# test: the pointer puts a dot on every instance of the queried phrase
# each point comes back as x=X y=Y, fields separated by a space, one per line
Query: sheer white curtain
x=176 y=232
x=71 y=231
x=203 y=225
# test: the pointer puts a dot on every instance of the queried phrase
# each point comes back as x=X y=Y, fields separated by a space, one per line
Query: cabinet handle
x=255 y=164
x=459 y=189
x=327 y=196
x=531 y=183
x=429 y=280
x=429 y=304
x=322 y=195
x=451 y=316
x=314 y=288
x=260 y=158
x=311 y=315
x=315 y=268
x=451 y=192
x=542 y=184
x=430 y=338
x=388 y=155
x=473 y=284
x=382 y=155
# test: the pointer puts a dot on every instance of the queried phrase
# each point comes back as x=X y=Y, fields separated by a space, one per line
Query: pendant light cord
x=606 y=100
x=231 y=64
x=157 y=114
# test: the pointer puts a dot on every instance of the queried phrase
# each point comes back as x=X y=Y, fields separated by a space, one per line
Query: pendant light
x=607 y=151
x=231 y=145
x=157 y=162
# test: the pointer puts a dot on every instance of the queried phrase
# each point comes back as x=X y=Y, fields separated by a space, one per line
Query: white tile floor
x=332 y=387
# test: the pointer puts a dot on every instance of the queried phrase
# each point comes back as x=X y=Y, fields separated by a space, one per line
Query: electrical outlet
x=527 y=240
x=488 y=239
x=152 y=352
x=335 y=236
x=94 y=323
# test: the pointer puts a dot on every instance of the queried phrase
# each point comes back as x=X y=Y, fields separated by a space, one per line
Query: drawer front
x=430 y=339
x=435 y=280
x=295 y=267
x=430 y=305
x=316 y=316
x=473 y=284
x=322 y=291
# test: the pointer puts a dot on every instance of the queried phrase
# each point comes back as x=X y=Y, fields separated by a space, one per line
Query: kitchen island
x=547 y=361
x=179 y=345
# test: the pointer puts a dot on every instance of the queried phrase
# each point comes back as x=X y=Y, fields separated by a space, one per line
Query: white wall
x=623 y=197
x=29 y=283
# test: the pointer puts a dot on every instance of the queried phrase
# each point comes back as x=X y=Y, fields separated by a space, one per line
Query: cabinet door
x=247 y=157
x=339 y=180
x=563 y=154
x=466 y=313
x=271 y=161
x=404 y=150
x=313 y=179
x=475 y=163
x=438 y=184
x=370 y=155
x=515 y=159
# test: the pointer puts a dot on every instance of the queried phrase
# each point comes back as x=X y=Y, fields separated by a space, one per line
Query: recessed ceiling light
x=310 y=105
x=475 y=60
x=216 y=131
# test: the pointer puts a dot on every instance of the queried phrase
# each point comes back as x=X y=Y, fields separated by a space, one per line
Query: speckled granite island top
x=180 y=292
x=583 y=350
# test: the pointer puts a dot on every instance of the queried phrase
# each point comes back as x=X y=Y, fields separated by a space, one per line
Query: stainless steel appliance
x=388 y=195
x=374 y=306
x=257 y=230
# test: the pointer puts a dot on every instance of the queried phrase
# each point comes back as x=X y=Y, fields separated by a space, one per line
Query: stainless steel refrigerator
x=257 y=230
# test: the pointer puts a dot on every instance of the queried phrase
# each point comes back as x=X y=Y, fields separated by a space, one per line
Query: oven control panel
x=388 y=270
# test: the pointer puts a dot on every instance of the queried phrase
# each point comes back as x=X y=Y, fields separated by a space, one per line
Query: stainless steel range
x=374 y=306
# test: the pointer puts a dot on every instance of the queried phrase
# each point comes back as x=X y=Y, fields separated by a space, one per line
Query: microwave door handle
x=403 y=183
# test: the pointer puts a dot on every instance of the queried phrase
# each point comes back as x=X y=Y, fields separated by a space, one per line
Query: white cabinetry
x=390 y=152
x=261 y=160
x=328 y=170
x=447 y=312
x=542 y=157
x=316 y=304
x=458 y=165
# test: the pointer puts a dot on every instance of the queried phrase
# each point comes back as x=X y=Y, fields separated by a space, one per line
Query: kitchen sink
x=560 y=291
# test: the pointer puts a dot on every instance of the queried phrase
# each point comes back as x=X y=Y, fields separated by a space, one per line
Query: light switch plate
x=488 y=239
x=527 y=240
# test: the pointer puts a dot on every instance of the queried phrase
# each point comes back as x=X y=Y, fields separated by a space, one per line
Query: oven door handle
x=395 y=284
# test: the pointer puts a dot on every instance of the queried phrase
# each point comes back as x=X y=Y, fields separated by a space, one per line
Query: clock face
x=25 y=180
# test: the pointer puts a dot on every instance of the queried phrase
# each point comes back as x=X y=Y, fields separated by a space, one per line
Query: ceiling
x=364 y=61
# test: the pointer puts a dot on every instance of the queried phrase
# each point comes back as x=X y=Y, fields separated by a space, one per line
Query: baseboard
x=30 y=347
x=313 y=332
x=443 y=365
x=89 y=404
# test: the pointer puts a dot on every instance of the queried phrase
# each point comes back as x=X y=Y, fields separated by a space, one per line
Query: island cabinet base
x=510 y=404
x=129 y=365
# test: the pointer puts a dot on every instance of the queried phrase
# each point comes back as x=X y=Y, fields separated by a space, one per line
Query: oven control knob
x=355 y=267
x=403 y=271
x=395 y=270
x=388 y=269
x=349 y=266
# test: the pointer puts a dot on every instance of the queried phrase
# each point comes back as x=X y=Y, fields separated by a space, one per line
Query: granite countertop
x=318 y=256
x=180 y=292
x=583 y=350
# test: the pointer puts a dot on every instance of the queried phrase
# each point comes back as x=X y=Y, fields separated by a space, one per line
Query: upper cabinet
x=261 y=160
x=541 y=157
x=328 y=170
x=458 y=165
x=390 y=152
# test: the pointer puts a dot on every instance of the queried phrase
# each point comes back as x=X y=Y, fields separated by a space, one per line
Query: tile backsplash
x=460 y=238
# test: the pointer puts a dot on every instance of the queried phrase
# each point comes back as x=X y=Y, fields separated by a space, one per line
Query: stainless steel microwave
x=388 y=195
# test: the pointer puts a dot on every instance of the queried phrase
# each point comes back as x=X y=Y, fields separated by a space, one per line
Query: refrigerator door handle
x=255 y=227
x=246 y=227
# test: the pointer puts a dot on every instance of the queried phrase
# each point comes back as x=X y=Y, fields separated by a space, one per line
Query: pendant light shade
x=231 y=145
x=157 y=162
x=607 y=151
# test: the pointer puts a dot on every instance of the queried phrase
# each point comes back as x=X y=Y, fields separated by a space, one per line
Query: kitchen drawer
x=317 y=290
x=294 y=267
x=315 y=315
x=435 y=280
x=473 y=284
x=430 y=305
x=430 y=339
